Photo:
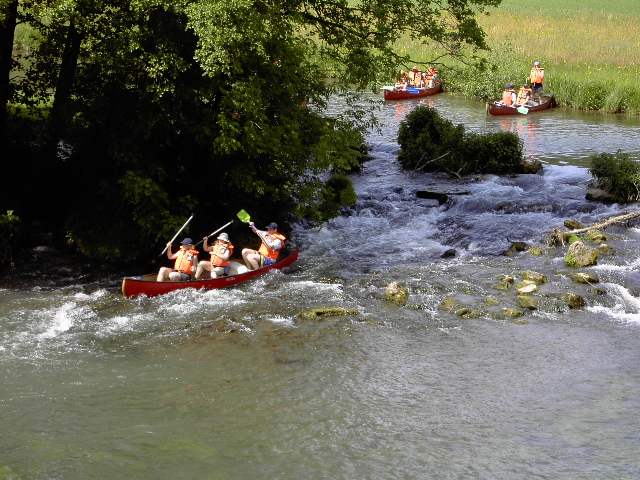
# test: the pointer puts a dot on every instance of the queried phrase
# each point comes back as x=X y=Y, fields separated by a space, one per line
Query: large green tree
x=159 y=108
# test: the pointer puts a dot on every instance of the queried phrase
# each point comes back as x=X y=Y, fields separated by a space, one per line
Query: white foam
x=626 y=308
x=281 y=320
x=64 y=317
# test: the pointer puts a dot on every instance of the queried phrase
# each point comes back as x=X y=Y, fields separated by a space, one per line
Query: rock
x=598 y=195
x=514 y=248
x=512 y=312
x=573 y=300
x=535 y=277
x=535 y=251
x=573 y=224
x=579 y=255
x=531 y=166
x=572 y=239
x=526 y=287
x=519 y=321
x=449 y=304
x=504 y=282
x=468 y=313
x=490 y=301
x=317 y=313
x=584 y=277
x=527 y=301
x=596 y=236
x=598 y=291
x=440 y=197
x=604 y=249
x=449 y=253
x=396 y=293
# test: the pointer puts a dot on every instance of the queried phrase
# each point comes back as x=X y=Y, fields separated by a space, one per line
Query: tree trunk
x=60 y=111
x=8 y=16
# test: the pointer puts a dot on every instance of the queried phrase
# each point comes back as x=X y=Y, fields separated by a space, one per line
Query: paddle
x=213 y=233
x=177 y=233
x=523 y=110
x=243 y=216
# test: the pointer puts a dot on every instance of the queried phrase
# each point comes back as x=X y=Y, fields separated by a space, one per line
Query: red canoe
x=411 y=92
x=147 y=284
x=547 y=102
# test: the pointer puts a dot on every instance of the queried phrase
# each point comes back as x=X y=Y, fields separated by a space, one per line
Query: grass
x=590 y=50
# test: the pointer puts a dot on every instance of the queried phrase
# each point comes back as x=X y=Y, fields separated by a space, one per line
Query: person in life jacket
x=221 y=252
x=186 y=260
x=524 y=95
x=536 y=77
x=272 y=243
x=508 y=95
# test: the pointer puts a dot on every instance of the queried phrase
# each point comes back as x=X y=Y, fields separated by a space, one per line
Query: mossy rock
x=605 y=249
x=573 y=238
x=535 y=277
x=396 y=293
x=468 y=313
x=318 y=313
x=527 y=301
x=596 y=236
x=584 y=277
x=535 y=251
x=512 y=312
x=573 y=300
x=449 y=304
x=572 y=224
x=504 y=282
x=579 y=255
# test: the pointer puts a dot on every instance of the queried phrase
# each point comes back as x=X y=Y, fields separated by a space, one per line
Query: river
x=233 y=384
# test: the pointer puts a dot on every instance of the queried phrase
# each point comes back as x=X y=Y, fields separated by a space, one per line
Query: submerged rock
x=317 y=313
x=579 y=255
x=584 y=277
x=396 y=293
x=535 y=251
x=449 y=253
x=440 y=197
x=573 y=300
x=515 y=247
x=512 y=312
x=490 y=301
x=449 y=304
x=604 y=249
x=526 y=286
x=468 y=313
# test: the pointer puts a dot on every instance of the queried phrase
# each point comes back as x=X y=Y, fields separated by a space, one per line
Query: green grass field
x=590 y=50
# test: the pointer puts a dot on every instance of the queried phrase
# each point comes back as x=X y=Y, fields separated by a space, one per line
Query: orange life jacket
x=183 y=261
x=537 y=75
x=264 y=249
x=523 y=95
x=507 y=97
x=219 y=249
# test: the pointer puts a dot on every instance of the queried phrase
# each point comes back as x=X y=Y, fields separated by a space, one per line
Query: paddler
x=272 y=243
x=186 y=261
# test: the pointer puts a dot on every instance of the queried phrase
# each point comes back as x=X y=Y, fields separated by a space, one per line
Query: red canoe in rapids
x=497 y=109
x=147 y=284
x=391 y=93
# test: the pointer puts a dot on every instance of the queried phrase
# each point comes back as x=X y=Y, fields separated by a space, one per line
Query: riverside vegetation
x=122 y=118
x=589 y=49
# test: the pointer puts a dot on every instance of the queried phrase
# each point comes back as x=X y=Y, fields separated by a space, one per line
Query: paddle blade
x=523 y=110
x=243 y=216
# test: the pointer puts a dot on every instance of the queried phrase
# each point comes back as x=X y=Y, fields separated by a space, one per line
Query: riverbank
x=590 y=52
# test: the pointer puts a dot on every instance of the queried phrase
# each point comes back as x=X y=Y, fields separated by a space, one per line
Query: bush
x=618 y=175
x=431 y=143
x=9 y=233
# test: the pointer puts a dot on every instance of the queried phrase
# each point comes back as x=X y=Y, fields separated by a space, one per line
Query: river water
x=234 y=384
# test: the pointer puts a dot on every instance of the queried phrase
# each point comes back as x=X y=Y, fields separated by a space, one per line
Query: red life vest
x=183 y=261
x=220 y=249
x=264 y=249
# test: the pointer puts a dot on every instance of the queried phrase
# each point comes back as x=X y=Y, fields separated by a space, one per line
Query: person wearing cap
x=186 y=260
x=536 y=77
x=267 y=254
x=221 y=252
x=508 y=95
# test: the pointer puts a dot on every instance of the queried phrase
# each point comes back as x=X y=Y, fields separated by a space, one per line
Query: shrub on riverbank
x=431 y=143
x=9 y=232
x=618 y=175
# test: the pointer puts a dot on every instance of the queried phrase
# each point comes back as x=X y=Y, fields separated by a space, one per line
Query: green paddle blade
x=243 y=216
x=523 y=110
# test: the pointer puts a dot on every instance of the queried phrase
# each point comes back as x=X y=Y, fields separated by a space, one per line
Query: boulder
x=596 y=236
x=515 y=247
x=535 y=251
x=534 y=277
x=396 y=293
x=584 y=277
x=449 y=253
x=525 y=287
x=579 y=255
x=573 y=224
